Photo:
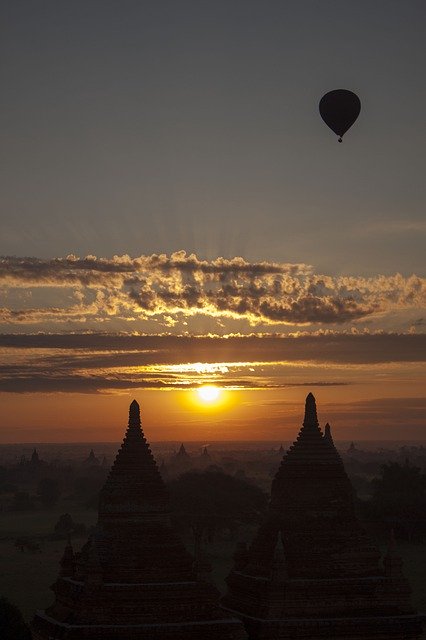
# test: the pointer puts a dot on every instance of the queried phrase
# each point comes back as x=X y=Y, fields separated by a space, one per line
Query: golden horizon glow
x=208 y=393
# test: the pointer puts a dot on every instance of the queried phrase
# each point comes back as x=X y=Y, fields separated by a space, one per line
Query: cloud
x=71 y=270
x=92 y=363
x=47 y=382
x=323 y=347
x=124 y=288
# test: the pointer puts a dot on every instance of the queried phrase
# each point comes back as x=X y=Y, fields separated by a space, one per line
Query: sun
x=208 y=393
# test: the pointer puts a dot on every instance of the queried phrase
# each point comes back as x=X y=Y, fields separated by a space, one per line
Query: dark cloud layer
x=14 y=269
x=340 y=348
x=92 y=363
x=44 y=382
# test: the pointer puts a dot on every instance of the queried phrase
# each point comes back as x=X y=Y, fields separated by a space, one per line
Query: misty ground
x=389 y=481
x=27 y=576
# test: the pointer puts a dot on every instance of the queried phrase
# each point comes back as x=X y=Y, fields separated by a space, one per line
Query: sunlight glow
x=208 y=393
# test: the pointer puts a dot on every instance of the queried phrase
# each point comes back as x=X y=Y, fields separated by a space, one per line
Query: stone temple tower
x=311 y=571
x=133 y=579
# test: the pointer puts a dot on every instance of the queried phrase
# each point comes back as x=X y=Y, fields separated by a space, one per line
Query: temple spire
x=311 y=446
x=327 y=434
x=311 y=419
x=134 y=482
x=134 y=414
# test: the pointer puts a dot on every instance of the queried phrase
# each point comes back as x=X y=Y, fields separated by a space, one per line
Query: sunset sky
x=174 y=213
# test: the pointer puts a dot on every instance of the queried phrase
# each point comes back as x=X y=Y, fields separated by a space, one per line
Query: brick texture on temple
x=134 y=579
x=311 y=571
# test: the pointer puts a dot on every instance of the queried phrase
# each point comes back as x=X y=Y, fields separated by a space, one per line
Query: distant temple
x=35 y=458
x=352 y=449
x=205 y=459
x=91 y=460
x=205 y=454
x=182 y=455
x=35 y=463
x=181 y=462
x=133 y=579
x=311 y=572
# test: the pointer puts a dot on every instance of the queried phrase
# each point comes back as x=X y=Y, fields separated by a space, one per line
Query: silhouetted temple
x=182 y=458
x=205 y=454
x=182 y=454
x=91 y=460
x=205 y=459
x=352 y=449
x=180 y=462
x=133 y=579
x=311 y=571
x=35 y=458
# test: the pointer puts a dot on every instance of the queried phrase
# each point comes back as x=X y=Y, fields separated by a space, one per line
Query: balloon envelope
x=339 y=109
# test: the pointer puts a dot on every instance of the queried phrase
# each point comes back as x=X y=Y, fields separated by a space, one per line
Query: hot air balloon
x=339 y=109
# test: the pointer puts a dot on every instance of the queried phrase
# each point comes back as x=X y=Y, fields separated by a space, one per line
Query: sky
x=175 y=213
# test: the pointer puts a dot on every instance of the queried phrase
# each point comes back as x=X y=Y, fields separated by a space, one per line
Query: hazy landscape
x=28 y=572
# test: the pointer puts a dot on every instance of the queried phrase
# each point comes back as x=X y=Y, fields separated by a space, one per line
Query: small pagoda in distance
x=91 y=460
x=311 y=571
x=134 y=579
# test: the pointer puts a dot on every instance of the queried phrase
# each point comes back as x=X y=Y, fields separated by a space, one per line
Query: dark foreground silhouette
x=311 y=571
x=134 y=579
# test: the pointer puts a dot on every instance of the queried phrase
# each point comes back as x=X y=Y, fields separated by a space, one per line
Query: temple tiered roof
x=182 y=453
x=311 y=571
x=35 y=458
x=134 y=579
x=134 y=481
x=91 y=460
x=311 y=446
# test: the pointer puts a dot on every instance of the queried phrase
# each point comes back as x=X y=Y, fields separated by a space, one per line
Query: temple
x=311 y=571
x=134 y=579
x=91 y=460
x=35 y=458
